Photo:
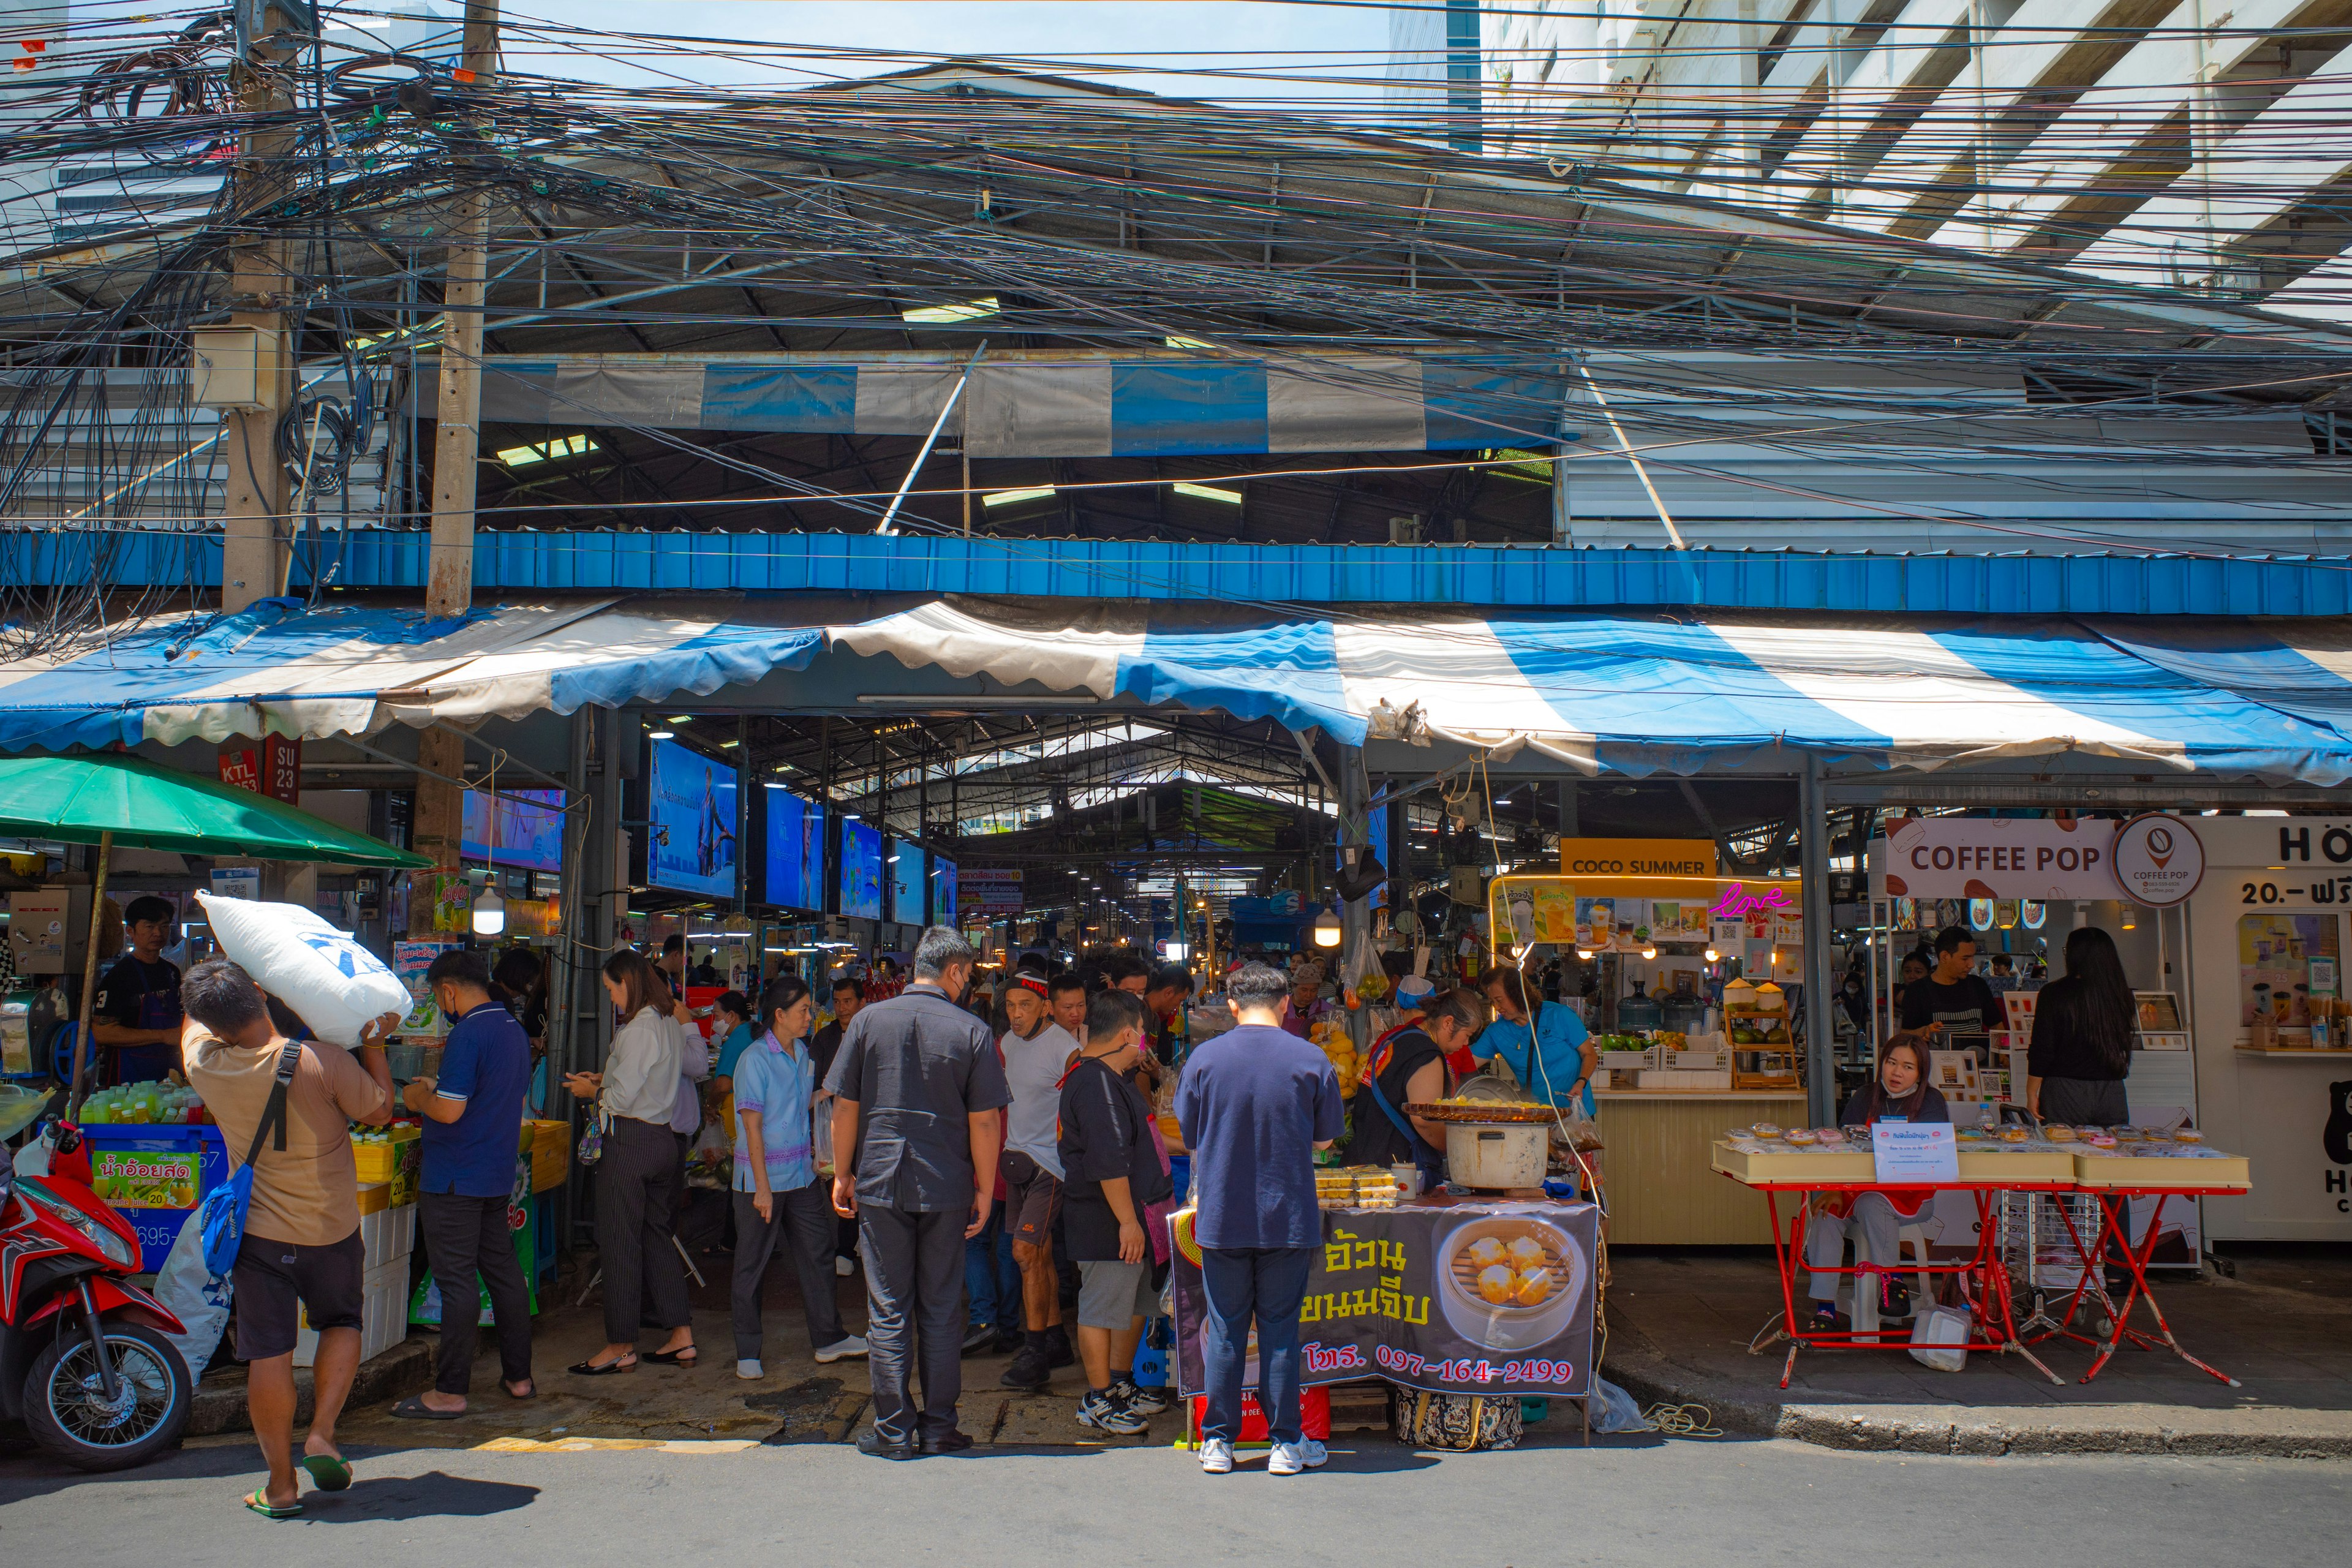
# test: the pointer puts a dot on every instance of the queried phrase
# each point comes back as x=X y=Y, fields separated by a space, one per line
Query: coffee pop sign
x=2158 y=860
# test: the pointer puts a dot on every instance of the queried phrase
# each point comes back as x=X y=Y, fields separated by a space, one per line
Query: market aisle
x=1670 y=1503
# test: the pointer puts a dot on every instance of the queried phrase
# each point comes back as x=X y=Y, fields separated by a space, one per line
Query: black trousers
x=914 y=1314
x=466 y=1237
x=803 y=1220
x=637 y=1203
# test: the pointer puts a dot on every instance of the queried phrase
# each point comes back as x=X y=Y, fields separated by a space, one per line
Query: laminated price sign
x=1914 y=1152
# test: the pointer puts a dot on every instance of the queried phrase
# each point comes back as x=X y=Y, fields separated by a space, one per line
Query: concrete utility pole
x=457 y=453
x=256 y=521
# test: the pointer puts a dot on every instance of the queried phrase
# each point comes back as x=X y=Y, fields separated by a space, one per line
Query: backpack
x=220 y=1217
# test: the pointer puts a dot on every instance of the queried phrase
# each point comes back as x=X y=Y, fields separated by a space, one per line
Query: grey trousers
x=803 y=1221
x=2098 y=1102
x=1873 y=1224
x=914 y=1312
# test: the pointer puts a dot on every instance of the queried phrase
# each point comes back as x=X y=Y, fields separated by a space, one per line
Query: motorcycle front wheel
x=66 y=1409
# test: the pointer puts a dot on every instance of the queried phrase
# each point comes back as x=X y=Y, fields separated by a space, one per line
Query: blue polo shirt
x=486 y=1063
x=1251 y=1105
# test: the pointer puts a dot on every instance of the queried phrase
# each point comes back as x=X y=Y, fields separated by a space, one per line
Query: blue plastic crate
x=122 y=1158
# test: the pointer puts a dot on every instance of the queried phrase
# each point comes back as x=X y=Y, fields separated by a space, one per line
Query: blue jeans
x=1268 y=1283
x=995 y=1293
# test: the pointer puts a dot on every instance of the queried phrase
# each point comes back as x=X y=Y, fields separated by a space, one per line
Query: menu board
x=2276 y=954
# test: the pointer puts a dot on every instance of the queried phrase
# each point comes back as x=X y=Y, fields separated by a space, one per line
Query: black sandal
x=602 y=1369
x=685 y=1355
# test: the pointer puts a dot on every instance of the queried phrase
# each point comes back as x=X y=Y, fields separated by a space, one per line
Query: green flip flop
x=258 y=1501
x=329 y=1473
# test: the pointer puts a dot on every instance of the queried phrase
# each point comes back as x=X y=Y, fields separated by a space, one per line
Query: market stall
x=2005 y=1175
x=1690 y=1041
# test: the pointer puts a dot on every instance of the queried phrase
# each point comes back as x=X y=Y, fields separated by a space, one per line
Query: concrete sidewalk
x=1680 y=1324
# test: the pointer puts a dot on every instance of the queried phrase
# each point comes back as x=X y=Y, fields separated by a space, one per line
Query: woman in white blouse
x=638 y=1179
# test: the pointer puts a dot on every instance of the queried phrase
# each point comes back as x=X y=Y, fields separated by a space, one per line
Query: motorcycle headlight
x=104 y=1237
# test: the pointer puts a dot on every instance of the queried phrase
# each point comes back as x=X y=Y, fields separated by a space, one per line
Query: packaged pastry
x=1801 y=1138
x=2100 y=1140
x=2014 y=1135
x=1765 y=1129
x=1830 y=1135
x=2189 y=1135
x=2059 y=1132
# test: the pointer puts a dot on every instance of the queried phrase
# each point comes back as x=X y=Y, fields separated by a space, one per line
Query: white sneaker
x=1217 y=1457
x=1289 y=1458
x=842 y=1349
x=748 y=1369
x=843 y=1265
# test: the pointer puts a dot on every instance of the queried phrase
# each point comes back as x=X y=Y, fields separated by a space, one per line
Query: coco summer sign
x=2159 y=861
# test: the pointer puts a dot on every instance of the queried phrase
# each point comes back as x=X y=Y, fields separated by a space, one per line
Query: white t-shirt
x=1033 y=1066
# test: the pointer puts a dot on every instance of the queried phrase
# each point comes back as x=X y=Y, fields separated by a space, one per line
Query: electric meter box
x=47 y=929
x=233 y=367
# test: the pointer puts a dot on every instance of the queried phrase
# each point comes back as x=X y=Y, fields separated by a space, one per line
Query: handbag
x=221 y=1216
x=591 y=1138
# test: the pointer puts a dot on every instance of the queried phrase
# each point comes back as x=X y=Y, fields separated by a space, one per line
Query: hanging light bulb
x=1649 y=952
x=2130 y=915
x=1713 y=956
x=1585 y=953
x=1327 y=929
x=489 y=912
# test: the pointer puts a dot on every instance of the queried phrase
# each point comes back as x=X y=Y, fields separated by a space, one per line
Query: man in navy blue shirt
x=473 y=1132
x=1253 y=1105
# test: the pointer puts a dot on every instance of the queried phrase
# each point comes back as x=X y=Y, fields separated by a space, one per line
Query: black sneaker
x=1101 y=1409
x=1029 y=1371
x=948 y=1442
x=881 y=1447
x=978 y=1337
x=1058 y=1349
x=1827 y=1318
x=1007 y=1341
x=1142 y=1401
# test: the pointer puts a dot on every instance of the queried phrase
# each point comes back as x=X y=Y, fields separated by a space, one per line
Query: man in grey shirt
x=916 y=1086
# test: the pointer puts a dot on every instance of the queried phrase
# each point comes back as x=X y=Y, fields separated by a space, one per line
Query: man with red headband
x=1037 y=1053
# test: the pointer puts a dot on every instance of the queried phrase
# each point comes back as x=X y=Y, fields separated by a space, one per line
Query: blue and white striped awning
x=280 y=669
x=1624 y=693
x=1048 y=404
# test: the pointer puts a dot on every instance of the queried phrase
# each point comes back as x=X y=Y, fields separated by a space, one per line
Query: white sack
x=333 y=982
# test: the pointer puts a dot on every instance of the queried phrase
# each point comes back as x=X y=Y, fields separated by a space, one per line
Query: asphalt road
x=1655 y=1501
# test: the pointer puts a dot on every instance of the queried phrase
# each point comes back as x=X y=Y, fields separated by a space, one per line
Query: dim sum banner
x=1460 y=1298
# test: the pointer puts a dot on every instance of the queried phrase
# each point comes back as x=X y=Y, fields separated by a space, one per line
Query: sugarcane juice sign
x=1460 y=1298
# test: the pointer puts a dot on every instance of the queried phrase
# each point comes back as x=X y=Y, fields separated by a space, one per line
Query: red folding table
x=1808 y=1174
x=2113 y=1183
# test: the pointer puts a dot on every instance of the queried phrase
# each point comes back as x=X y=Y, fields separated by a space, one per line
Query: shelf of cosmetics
x=2128 y=1157
x=1682 y=1042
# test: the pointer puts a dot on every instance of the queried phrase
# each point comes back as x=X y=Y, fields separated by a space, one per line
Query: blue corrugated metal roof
x=1531 y=576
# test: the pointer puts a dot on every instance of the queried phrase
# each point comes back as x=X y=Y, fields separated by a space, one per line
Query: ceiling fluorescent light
x=1007 y=498
x=935 y=315
x=1210 y=492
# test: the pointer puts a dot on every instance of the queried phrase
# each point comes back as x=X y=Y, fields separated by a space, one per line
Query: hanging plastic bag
x=1939 y=1338
x=197 y=1297
x=333 y=985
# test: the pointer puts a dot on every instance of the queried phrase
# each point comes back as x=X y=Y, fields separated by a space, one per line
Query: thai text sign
x=1456 y=1299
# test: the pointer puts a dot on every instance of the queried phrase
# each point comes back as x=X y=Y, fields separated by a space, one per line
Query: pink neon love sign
x=1738 y=903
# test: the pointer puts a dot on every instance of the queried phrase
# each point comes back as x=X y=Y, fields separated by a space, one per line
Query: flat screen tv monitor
x=861 y=871
x=690 y=822
x=907 y=890
x=795 y=859
x=944 y=892
x=521 y=829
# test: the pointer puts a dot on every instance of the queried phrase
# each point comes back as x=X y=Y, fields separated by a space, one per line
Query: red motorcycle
x=84 y=1363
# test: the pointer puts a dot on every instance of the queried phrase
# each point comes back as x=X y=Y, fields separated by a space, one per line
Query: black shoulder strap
x=273 y=1118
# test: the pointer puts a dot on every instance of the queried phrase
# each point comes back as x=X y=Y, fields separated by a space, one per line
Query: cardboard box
x=549 y=1143
x=154 y=1177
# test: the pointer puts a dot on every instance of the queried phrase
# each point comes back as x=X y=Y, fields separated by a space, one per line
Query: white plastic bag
x=334 y=984
x=1939 y=1338
x=197 y=1297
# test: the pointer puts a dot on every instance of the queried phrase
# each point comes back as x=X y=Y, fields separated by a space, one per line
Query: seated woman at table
x=1900 y=1093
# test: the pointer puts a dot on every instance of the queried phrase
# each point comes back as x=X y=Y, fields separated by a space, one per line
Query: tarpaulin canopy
x=352 y=668
x=87 y=798
x=1617 y=692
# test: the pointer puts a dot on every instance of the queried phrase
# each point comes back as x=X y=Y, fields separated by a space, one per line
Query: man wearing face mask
x=916 y=1134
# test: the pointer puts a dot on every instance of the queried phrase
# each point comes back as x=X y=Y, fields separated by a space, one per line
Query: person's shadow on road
x=432 y=1495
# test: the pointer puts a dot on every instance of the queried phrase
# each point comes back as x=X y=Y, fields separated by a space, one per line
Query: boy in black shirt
x=1110 y=1171
x=136 y=1013
x=1954 y=999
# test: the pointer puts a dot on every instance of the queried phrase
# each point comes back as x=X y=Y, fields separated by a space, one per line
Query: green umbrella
x=136 y=803
x=111 y=798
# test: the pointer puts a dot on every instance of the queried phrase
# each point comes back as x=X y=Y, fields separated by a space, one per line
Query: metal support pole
x=955 y=395
x=82 y=1041
x=256 y=521
x=1356 y=914
x=1813 y=857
